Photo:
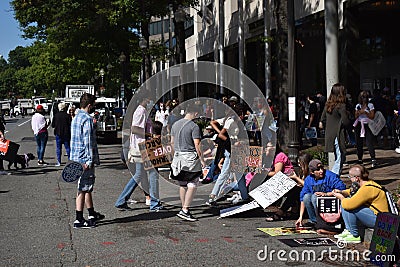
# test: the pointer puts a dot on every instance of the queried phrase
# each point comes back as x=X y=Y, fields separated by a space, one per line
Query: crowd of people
x=314 y=181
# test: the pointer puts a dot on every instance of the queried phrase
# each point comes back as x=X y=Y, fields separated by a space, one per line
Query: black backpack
x=391 y=204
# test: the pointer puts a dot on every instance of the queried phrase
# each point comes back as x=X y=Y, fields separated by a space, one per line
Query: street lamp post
x=143 y=46
x=102 y=72
x=180 y=18
x=122 y=59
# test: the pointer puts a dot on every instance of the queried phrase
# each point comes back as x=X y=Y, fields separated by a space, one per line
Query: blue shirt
x=330 y=181
x=83 y=140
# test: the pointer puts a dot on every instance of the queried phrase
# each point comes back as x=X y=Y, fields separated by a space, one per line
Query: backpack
x=391 y=204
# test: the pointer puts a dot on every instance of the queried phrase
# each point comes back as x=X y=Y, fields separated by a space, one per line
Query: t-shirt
x=138 y=120
x=287 y=164
x=184 y=131
x=370 y=107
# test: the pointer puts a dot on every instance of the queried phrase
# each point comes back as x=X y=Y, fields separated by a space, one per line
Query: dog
x=23 y=160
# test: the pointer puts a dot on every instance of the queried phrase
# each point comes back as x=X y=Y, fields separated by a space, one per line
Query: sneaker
x=211 y=202
x=397 y=150
x=131 y=201
x=58 y=164
x=97 y=217
x=342 y=234
x=84 y=224
x=157 y=208
x=123 y=207
x=374 y=163
x=350 y=239
x=148 y=202
x=230 y=199
x=42 y=163
x=186 y=216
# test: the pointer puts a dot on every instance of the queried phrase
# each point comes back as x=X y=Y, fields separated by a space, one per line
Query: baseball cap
x=39 y=107
x=315 y=164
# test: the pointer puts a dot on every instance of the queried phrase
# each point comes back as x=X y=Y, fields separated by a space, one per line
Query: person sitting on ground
x=283 y=164
x=319 y=182
x=361 y=208
x=303 y=161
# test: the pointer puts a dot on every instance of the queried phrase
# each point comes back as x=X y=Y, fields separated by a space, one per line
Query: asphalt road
x=38 y=209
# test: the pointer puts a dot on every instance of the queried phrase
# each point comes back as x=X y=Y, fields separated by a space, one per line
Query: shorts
x=194 y=183
x=86 y=182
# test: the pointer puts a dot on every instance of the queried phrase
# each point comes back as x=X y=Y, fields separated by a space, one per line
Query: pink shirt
x=287 y=164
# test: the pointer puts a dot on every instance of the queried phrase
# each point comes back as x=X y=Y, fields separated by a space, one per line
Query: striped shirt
x=83 y=140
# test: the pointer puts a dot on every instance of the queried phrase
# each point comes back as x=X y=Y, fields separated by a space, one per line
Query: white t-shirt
x=370 y=107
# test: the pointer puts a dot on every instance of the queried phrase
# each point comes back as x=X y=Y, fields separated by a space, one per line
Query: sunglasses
x=319 y=168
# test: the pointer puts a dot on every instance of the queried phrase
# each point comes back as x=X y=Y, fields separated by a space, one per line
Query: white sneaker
x=57 y=164
x=236 y=200
x=233 y=197
x=397 y=150
x=148 y=202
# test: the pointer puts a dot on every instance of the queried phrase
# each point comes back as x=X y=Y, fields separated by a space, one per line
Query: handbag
x=134 y=155
x=377 y=124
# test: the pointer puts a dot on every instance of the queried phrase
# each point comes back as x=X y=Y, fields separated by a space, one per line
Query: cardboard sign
x=238 y=209
x=246 y=160
x=272 y=190
x=384 y=238
x=328 y=204
x=278 y=231
x=156 y=152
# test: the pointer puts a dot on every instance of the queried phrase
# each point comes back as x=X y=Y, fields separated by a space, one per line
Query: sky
x=10 y=34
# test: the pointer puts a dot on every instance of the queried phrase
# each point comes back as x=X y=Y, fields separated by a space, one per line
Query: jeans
x=340 y=158
x=223 y=176
x=364 y=215
x=310 y=202
x=241 y=186
x=59 y=142
x=41 y=141
x=141 y=175
x=369 y=140
x=210 y=173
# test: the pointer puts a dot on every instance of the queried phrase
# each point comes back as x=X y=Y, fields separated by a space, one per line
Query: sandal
x=274 y=217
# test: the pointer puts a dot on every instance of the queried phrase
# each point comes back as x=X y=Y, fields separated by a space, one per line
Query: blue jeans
x=364 y=215
x=241 y=186
x=41 y=141
x=339 y=158
x=223 y=176
x=310 y=202
x=59 y=142
x=141 y=175
x=210 y=173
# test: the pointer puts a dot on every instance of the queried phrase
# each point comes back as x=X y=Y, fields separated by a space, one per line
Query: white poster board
x=272 y=190
x=292 y=108
x=238 y=209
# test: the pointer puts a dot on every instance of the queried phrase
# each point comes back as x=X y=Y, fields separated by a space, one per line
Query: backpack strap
x=381 y=188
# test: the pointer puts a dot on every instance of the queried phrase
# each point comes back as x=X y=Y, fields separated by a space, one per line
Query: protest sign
x=278 y=231
x=246 y=160
x=384 y=238
x=238 y=209
x=272 y=190
x=156 y=152
x=308 y=242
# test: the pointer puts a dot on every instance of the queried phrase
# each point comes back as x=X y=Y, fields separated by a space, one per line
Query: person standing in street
x=187 y=164
x=138 y=135
x=39 y=127
x=2 y=138
x=336 y=120
x=84 y=150
x=62 y=130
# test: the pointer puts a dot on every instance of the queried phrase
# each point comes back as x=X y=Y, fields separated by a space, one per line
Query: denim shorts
x=86 y=181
